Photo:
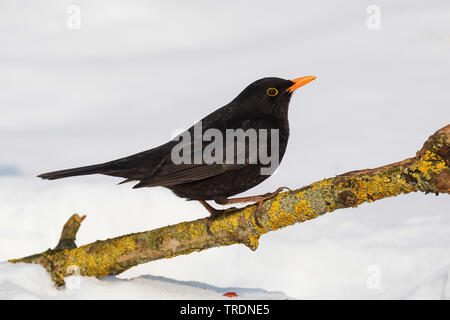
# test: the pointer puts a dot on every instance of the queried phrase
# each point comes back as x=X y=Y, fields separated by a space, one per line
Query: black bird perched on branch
x=263 y=105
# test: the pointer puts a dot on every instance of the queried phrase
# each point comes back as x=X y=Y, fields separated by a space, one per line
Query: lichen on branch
x=428 y=171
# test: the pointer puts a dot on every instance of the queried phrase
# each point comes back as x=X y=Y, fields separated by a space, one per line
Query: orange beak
x=299 y=82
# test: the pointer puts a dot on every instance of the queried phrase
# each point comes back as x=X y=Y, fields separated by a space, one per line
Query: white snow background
x=137 y=71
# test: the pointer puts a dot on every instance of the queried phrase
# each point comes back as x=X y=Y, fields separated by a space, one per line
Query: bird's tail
x=103 y=168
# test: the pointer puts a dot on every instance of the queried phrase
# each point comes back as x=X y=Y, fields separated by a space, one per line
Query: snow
x=137 y=72
x=25 y=281
x=334 y=256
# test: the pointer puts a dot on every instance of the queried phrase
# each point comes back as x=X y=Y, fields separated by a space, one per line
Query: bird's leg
x=212 y=211
x=224 y=201
x=258 y=199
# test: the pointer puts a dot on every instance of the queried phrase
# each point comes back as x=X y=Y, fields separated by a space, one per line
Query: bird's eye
x=272 y=92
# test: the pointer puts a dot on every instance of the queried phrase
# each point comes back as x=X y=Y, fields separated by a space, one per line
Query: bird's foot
x=259 y=201
x=269 y=195
x=213 y=213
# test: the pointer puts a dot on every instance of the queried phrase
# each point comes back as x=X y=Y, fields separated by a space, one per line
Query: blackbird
x=263 y=105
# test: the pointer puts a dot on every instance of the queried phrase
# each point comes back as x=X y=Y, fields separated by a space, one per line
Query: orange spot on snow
x=230 y=294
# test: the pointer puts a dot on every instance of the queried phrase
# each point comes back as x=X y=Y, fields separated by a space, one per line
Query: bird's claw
x=264 y=197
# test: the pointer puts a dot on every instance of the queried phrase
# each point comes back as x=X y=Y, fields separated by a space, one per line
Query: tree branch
x=428 y=171
x=69 y=232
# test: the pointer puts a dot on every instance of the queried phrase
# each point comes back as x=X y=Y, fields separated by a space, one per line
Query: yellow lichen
x=429 y=163
x=304 y=211
x=100 y=260
x=181 y=227
x=227 y=223
x=252 y=242
x=196 y=230
x=280 y=219
x=323 y=184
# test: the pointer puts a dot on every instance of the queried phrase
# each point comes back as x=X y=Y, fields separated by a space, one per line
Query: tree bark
x=428 y=171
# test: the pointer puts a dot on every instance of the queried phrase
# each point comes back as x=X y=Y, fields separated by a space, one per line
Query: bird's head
x=270 y=95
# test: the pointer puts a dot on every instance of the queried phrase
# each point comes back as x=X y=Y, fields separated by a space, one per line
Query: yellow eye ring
x=272 y=92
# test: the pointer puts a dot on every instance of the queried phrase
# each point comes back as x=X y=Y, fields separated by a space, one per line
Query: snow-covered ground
x=25 y=281
x=138 y=71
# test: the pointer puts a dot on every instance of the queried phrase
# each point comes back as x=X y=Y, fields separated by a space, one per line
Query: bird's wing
x=243 y=150
x=186 y=174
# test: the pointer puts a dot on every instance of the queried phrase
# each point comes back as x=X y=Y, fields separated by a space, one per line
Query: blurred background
x=84 y=82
